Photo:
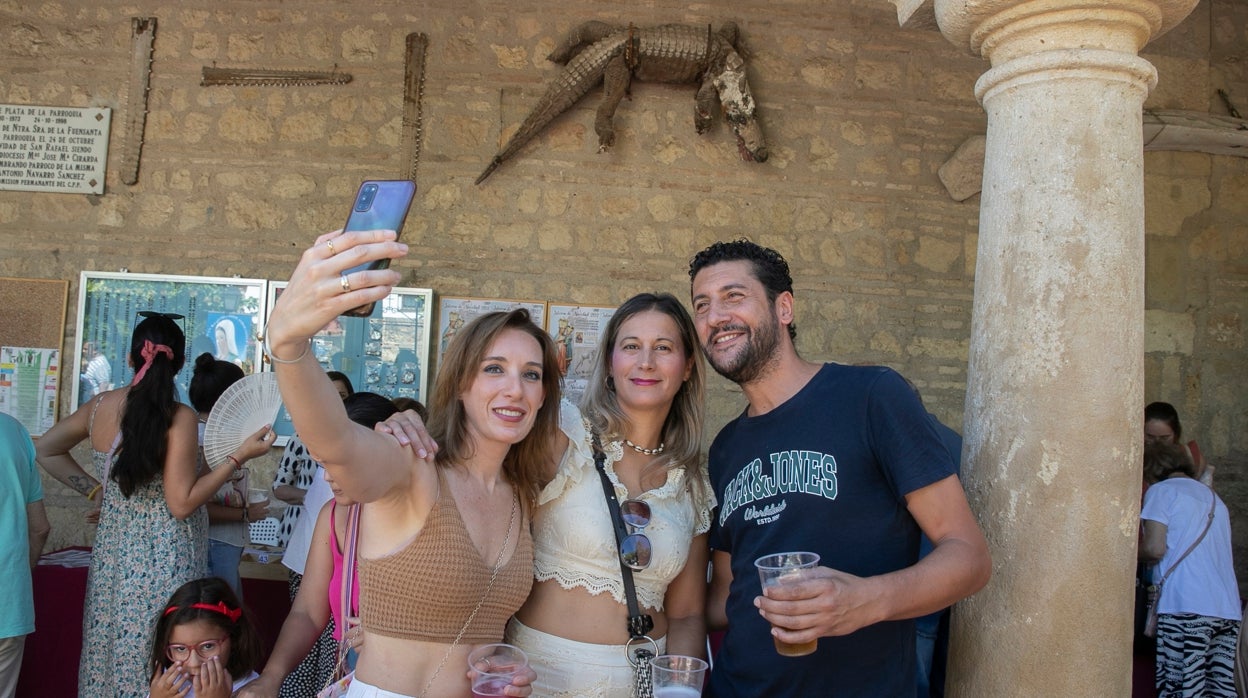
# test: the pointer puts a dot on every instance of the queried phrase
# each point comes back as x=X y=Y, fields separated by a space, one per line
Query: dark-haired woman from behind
x=151 y=537
x=229 y=511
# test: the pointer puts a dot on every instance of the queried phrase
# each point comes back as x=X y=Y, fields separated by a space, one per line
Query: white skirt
x=571 y=669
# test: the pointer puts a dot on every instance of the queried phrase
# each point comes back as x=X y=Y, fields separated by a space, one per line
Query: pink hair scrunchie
x=149 y=353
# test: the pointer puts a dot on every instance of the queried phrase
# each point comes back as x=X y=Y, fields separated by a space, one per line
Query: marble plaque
x=63 y=150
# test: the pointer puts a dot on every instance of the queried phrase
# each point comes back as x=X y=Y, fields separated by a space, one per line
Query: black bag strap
x=639 y=624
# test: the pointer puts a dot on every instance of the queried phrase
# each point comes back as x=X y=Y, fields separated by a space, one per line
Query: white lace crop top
x=573 y=540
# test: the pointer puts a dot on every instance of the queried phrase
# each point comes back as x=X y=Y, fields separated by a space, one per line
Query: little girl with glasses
x=203 y=638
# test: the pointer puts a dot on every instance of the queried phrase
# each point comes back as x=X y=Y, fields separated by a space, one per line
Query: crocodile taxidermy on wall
x=597 y=52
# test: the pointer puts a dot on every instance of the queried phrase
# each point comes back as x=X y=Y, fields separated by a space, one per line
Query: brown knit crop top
x=427 y=590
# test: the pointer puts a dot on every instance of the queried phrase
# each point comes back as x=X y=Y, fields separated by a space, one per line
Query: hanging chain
x=413 y=102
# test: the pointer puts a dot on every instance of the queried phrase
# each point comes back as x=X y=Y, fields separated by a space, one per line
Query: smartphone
x=379 y=205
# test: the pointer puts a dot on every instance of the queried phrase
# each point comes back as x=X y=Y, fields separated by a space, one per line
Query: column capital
x=1001 y=30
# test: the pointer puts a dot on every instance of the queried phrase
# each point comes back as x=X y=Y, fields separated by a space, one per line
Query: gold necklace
x=646 y=451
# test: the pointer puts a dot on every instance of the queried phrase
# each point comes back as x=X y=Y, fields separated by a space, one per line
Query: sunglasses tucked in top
x=635 y=549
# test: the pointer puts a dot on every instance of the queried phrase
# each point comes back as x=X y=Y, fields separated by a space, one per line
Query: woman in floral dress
x=152 y=534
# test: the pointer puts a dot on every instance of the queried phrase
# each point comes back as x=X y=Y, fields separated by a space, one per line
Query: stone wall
x=859 y=115
x=1196 y=263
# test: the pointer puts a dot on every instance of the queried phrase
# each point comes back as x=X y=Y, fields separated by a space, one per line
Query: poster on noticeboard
x=454 y=313
x=218 y=315
x=28 y=383
x=576 y=330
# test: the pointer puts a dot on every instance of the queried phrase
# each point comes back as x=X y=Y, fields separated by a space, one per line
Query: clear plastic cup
x=677 y=676
x=495 y=666
x=785 y=568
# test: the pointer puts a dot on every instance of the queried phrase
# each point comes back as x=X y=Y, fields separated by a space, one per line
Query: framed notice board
x=219 y=315
x=385 y=353
x=577 y=330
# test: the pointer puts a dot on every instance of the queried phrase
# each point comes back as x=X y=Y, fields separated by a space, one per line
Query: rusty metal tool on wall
x=271 y=78
x=142 y=36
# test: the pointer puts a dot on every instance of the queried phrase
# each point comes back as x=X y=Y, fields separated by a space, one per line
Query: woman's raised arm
x=365 y=464
x=185 y=489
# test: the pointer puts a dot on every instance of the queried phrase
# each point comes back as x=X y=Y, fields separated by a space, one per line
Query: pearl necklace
x=646 y=451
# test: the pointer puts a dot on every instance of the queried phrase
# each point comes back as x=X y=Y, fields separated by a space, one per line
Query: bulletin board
x=32 y=316
x=220 y=315
x=385 y=353
x=32 y=312
x=454 y=313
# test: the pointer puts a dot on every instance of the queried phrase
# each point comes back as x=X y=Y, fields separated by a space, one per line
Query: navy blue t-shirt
x=825 y=472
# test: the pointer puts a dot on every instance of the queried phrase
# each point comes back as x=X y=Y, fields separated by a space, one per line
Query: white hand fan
x=243 y=408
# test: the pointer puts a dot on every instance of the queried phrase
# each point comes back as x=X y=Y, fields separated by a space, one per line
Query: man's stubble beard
x=755 y=360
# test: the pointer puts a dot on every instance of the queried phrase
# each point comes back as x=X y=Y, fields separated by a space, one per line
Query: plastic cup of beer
x=786 y=568
x=677 y=676
x=495 y=666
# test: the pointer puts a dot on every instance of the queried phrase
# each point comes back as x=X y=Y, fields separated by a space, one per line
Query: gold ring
x=330 y=245
x=346 y=285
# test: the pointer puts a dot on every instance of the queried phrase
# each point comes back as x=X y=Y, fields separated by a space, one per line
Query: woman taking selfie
x=445 y=554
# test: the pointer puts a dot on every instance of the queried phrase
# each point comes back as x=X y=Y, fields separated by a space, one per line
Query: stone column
x=1055 y=386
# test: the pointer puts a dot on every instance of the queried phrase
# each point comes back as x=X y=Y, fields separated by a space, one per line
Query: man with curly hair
x=838 y=460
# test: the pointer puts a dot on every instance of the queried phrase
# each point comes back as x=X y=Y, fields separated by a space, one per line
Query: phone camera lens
x=365 y=200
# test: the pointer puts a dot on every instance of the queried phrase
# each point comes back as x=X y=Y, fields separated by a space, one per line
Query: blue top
x=825 y=472
x=19 y=485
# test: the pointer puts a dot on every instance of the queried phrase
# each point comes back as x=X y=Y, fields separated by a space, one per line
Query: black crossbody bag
x=639 y=624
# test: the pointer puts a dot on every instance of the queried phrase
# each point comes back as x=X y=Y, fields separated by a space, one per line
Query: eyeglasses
x=635 y=549
x=206 y=650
